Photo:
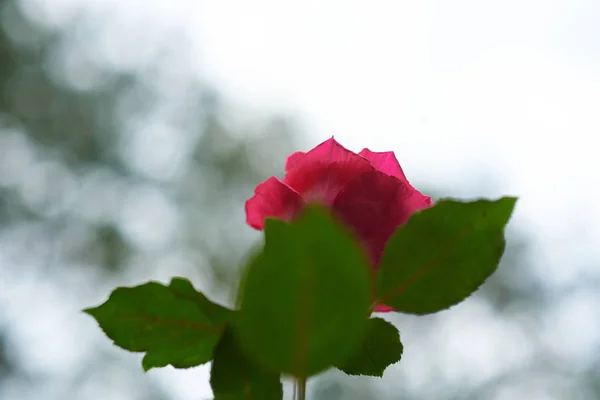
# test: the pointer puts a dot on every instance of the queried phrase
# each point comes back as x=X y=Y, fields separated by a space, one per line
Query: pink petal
x=385 y=162
x=321 y=173
x=272 y=198
x=294 y=159
x=374 y=205
x=421 y=201
x=383 y=308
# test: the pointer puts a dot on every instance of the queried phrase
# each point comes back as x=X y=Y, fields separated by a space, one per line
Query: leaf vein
x=429 y=265
x=168 y=321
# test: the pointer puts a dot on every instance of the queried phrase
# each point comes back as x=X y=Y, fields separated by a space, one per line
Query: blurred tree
x=80 y=190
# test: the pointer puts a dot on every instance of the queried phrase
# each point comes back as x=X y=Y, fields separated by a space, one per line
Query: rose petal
x=272 y=198
x=294 y=159
x=374 y=205
x=421 y=201
x=385 y=162
x=383 y=308
x=321 y=173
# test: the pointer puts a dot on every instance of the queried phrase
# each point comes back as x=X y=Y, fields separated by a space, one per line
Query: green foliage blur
x=116 y=170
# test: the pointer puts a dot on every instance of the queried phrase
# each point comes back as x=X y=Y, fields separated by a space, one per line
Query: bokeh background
x=131 y=132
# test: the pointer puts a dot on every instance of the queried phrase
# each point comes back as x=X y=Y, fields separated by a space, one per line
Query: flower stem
x=300 y=389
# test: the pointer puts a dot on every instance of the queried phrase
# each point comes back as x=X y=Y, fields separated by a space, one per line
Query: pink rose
x=368 y=191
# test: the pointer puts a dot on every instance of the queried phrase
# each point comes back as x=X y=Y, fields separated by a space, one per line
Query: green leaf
x=234 y=376
x=183 y=289
x=380 y=348
x=173 y=324
x=305 y=298
x=443 y=254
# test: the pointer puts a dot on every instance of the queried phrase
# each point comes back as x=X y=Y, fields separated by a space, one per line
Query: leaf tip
x=510 y=201
x=147 y=363
x=147 y=368
x=90 y=311
x=507 y=205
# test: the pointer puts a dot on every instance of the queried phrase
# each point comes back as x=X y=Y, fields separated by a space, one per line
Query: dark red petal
x=374 y=205
x=322 y=172
x=272 y=198
x=294 y=159
x=385 y=162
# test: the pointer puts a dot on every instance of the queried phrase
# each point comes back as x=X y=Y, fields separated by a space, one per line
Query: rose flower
x=367 y=191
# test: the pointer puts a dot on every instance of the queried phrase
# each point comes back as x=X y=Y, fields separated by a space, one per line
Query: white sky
x=462 y=90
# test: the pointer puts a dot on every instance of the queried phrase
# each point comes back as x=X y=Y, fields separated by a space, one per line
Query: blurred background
x=131 y=134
